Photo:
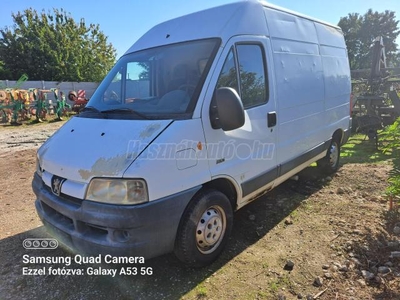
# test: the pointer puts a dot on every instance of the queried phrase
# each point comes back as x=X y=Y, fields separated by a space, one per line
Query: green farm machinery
x=376 y=102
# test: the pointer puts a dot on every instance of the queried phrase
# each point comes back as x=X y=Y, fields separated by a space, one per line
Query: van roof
x=238 y=18
x=273 y=6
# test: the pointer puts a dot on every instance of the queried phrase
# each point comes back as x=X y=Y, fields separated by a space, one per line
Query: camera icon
x=38 y=243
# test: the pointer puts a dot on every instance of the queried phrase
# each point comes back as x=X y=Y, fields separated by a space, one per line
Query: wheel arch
x=338 y=135
x=225 y=186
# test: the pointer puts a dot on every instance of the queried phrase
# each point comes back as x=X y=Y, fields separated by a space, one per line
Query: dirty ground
x=316 y=238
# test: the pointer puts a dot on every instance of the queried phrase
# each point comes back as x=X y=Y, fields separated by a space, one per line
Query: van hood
x=85 y=148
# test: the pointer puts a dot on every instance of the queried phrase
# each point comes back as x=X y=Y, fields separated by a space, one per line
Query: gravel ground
x=25 y=137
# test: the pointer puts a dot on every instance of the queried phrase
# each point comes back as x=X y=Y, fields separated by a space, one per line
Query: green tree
x=4 y=73
x=351 y=27
x=361 y=30
x=395 y=61
x=52 y=46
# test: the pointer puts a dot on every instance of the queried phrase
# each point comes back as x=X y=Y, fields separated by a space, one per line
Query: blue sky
x=124 y=21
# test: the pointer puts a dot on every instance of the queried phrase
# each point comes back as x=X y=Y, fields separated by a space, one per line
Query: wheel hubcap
x=334 y=155
x=210 y=229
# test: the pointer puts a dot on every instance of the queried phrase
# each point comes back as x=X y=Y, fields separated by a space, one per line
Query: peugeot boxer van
x=202 y=115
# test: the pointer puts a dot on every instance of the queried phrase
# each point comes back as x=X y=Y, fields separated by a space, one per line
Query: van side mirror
x=226 y=110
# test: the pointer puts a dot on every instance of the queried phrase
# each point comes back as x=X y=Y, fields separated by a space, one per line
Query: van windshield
x=158 y=83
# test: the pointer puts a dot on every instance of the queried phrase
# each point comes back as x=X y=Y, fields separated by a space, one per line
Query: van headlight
x=117 y=191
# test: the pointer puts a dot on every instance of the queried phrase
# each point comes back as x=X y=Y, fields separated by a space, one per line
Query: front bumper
x=91 y=228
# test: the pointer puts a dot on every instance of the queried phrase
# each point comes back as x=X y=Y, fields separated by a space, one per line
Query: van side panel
x=299 y=84
x=336 y=76
x=286 y=26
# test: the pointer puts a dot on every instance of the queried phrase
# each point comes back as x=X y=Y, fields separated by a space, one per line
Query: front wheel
x=330 y=163
x=204 y=229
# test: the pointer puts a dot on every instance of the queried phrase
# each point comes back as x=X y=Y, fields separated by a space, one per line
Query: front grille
x=66 y=198
x=69 y=225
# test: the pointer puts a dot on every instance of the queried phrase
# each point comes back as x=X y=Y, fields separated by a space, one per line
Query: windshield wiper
x=125 y=110
x=90 y=108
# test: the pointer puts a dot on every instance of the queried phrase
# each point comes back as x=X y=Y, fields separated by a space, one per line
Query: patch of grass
x=306 y=206
x=201 y=291
x=279 y=283
x=361 y=150
x=392 y=134
x=257 y=295
x=262 y=294
x=294 y=214
x=274 y=286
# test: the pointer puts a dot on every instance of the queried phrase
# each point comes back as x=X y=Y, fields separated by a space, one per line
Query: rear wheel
x=330 y=163
x=204 y=229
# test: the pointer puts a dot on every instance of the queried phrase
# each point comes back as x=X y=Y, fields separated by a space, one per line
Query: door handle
x=271 y=118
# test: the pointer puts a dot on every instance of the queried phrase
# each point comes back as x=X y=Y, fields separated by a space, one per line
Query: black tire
x=204 y=228
x=330 y=163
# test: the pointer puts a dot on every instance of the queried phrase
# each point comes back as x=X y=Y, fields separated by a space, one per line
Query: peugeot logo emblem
x=56 y=184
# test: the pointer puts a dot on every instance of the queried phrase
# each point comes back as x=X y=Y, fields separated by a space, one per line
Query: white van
x=202 y=115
